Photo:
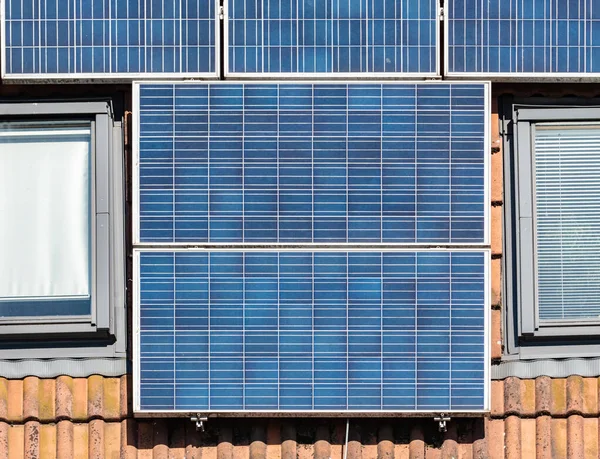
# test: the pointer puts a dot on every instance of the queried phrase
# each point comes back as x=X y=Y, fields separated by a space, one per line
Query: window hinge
x=221 y=12
x=199 y=420
x=442 y=419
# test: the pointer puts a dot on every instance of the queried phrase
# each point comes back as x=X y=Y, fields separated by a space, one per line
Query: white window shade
x=45 y=206
x=567 y=212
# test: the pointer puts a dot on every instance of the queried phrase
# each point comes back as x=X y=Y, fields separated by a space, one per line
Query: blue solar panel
x=523 y=37
x=301 y=162
x=338 y=36
x=312 y=331
x=109 y=37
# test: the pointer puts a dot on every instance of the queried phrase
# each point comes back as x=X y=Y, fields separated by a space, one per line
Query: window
x=553 y=228
x=62 y=235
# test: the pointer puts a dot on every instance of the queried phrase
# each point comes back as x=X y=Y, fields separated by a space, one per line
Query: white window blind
x=45 y=212
x=567 y=212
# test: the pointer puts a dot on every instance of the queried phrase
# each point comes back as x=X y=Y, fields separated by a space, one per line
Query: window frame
x=525 y=336
x=104 y=329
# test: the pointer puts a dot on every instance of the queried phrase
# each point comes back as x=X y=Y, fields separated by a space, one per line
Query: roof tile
x=47 y=398
x=81 y=440
x=590 y=438
x=64 y=440
x=528 y=407
x=30 y=398
x=64 y=397
x=111 y=397
x=96 y=439
x=574 y=388
x=559 y=438
x=47 y=445
x=512 y=440
x=80 y=399
x=590 y=396
x=32 y=439
x=95 y=389
x=16 y=442
x=3 y=399
x=543 y=395
x=4 y=440
x=543 y=437
x=160 y=448
x=494 y=434
x=128 y=439
x=575 y=437
x=15 y=400
x=558 y=400
x=112 y=440
x=239 y=452
x=512 y=396
x=528 y=430
x=540 y=418
x=288 y=444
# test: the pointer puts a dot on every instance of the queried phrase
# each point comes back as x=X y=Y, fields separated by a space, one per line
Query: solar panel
x=108 y=38
x=311 y=331
x=288 y=37
x=515 y=37
x=311 y=162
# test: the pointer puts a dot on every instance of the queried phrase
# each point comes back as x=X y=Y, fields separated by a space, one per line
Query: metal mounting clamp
x=199 y=420
x=442 y=419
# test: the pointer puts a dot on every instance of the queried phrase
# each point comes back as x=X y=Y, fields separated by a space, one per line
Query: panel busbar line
x=338 y=37
x=311 y=331
x=512 y=38
x=311 y=163
x=107 y=39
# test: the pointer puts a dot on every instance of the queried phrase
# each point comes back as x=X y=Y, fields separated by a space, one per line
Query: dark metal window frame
x=103 y=332
x=525 y=336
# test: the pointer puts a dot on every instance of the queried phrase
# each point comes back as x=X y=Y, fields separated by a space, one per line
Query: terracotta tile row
x=241 y=439
x=63 y=398
x=511 y=438
x=559 y=397
x=543 y=437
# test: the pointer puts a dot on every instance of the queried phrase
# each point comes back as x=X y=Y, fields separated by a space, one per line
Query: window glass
x=567 y=212
x=45 y=231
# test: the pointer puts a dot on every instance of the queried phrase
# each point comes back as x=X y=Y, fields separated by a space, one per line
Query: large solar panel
x=515 y=37
x=108 y=38
x=311 y=162
x=311 y=331
x=288 y=37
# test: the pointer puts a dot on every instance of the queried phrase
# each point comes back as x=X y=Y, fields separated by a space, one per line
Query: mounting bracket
x=199 y=420
x=442 y=419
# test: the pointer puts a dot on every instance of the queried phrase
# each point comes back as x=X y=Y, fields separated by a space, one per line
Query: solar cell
x=516 y=37
x=311 y=330
x=109 y=38
x=334 y=37
x=311 y=162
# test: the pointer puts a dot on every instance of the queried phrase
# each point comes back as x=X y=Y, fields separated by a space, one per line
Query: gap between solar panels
x=311 y=248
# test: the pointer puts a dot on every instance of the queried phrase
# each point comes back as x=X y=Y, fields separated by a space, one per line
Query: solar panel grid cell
x=109 y=37
x=543 y=37
x=312 y=331
x=337 y=36
x=400 y=163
